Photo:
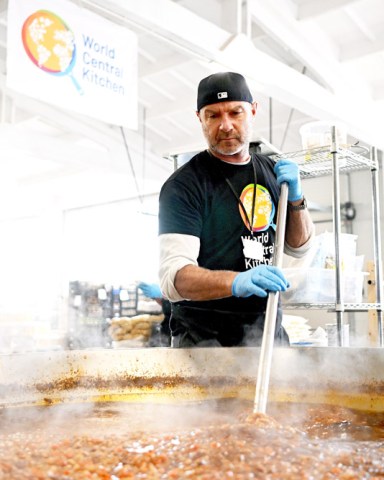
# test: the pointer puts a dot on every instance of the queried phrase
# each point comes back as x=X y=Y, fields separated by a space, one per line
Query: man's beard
x=242 y=142
x=223 y=149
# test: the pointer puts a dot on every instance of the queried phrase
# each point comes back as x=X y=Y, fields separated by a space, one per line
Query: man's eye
x=212 y=115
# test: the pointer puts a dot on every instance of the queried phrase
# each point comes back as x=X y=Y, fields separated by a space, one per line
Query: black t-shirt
x=202 y=199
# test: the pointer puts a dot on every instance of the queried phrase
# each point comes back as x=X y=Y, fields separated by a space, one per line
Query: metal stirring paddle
x=265 y=361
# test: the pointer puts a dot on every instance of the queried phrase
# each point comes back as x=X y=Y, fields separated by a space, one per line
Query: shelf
x=348 y=307
x=330 y=161
x=317 y=162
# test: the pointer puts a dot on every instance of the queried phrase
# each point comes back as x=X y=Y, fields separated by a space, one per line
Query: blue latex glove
x=259 y=281
x=150 y=290
x=288 y=171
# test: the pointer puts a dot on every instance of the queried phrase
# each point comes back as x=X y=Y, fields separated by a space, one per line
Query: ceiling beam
x=108 y=137
x=314 y=8
x=378 y=92
x=3 y=8
x=357 y=111
x=361 y=117
x=159 y=89
x=304 y=39
x=362 y=48
x=218 y=49
x=168 y=20
x=173 y=60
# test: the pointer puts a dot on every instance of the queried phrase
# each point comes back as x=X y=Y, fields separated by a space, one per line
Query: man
x=216 y=230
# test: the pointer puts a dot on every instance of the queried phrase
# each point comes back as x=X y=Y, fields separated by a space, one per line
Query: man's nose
x=226 y=123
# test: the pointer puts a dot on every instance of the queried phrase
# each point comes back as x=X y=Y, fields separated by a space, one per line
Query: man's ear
x=198 y=115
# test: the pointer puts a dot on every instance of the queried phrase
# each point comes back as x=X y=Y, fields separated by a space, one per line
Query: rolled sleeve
x=176 y=251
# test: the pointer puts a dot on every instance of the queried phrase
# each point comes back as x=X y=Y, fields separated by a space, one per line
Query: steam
x=172 y=389
x=120 y=418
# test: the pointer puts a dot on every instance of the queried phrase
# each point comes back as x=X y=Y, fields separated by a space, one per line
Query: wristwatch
x=295 y=208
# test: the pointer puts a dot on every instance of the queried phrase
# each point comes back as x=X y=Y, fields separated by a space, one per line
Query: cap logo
x=221 y=95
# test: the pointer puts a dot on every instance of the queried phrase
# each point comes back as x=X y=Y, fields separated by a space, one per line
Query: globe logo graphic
x=50 y=44
x=264 y=208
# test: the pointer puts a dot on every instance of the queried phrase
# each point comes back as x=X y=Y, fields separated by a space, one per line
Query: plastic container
x=322 y=254
x=331 y=329
x=318 y=285
x=319 y=134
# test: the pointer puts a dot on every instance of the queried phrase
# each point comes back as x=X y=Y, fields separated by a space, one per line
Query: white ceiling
x=304 y=60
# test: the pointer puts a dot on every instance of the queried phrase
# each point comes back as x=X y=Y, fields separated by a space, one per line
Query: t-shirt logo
x=222 y=95
x=264 y=208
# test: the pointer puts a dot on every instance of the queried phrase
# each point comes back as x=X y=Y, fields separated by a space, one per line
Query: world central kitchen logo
x=50 y=45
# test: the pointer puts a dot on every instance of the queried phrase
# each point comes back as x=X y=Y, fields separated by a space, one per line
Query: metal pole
x=265 y=361
x=339 y=306
x=377 y=244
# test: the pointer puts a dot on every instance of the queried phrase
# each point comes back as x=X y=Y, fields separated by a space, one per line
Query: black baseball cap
x=222 y=87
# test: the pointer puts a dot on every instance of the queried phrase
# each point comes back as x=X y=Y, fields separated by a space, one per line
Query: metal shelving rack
x=333 y=160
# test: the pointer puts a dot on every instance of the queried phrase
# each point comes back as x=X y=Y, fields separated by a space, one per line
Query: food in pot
x=175 y=442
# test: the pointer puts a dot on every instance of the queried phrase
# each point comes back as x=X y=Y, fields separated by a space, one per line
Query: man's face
x=227 y=126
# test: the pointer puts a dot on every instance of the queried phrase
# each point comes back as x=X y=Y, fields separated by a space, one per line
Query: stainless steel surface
x=317 y=162
x=264 y=371
x=377 y=244
x=339 y=306
x=330 y=307
x=351 y=377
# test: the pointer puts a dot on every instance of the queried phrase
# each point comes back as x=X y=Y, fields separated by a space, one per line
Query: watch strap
x=301 y=206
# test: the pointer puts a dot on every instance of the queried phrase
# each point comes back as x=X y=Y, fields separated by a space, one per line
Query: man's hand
x=288 y=171
x=259 y=281
x=150 y=290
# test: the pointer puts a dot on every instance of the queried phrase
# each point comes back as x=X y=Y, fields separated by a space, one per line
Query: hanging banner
x=65 y=55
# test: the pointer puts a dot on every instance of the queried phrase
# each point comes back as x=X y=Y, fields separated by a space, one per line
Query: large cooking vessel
x=352 y=377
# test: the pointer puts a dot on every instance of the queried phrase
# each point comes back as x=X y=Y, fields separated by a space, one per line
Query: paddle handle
x=265 y=360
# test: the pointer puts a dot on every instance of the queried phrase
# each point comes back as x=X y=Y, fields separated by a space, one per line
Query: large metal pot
x=351 y=377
